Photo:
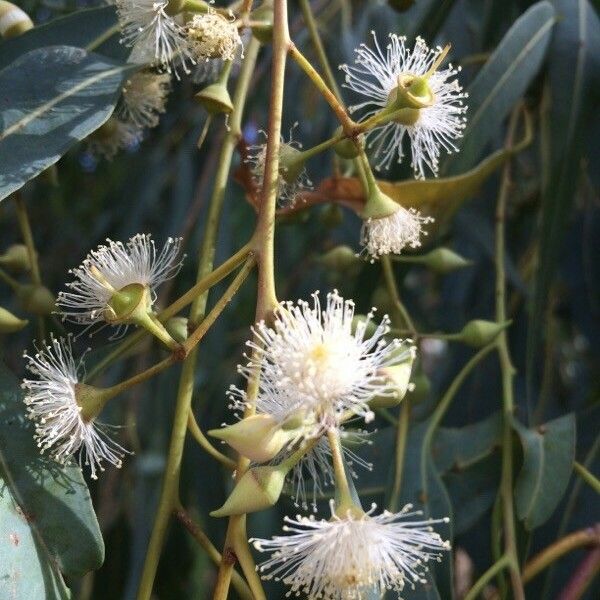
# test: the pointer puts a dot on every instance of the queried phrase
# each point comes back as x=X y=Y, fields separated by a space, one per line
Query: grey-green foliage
x=58 y=96
x=47 y=523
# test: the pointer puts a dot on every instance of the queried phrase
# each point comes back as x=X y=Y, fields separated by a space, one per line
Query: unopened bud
x=259 y=437
x=177 y=328
x=36 y=299
x=9 y=323
x=479 y=333
x=16 y=259
x=259 y=488
x=399 y=378
x=340 y=258
x=348 y=148
x=215 y=98
x=444 y=260
x=262 y=22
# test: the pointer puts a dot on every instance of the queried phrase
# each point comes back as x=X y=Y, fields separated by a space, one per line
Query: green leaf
x=548 y=455
x=473 y=491
x=47 y=522
x=461 y=447
x=94 y=29
x=502 y=81
x=574 y=72
x=59 y=95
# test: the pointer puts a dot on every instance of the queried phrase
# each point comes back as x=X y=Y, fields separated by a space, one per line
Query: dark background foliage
x=162 y=186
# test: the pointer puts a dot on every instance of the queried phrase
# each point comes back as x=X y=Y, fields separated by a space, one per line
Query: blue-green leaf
x=548 y=456
x=502 y=81
x=59 y=95
x=95 y=29
x=47 y=523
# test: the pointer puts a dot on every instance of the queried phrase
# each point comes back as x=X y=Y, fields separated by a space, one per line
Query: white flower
x=288 y=187
x=316 y=369
x=346 y=558
x=113 y=136
x=211 y=35
x=377 y=74
x=144 y=97
x=52 y=405
x=390 y=235
x=111 y=268
x=155 y=37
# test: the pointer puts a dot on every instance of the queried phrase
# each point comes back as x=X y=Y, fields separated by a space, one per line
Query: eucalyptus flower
x=64 y=410
x=212 y=35
x=153 y=34
x=144 y=98
x=428 y=101
x=112 y=136
x=352 y=555
x=117 y=282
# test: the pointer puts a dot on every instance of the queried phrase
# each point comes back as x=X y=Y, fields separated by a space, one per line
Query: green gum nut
x=16 y=259
x=128 y=304
x=348 y=148
x=340 y=258
x=259 y=437
x=262 y=22
x=177 y=328
x=479 y=333
x=444 y=260
x=9 y=323
x=258 y=489
x=36 y=299
x=291 y=163
x=378 y=205
x=215 y=98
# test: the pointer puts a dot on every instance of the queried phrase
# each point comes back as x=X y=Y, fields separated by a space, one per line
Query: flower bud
x=340 y=258
x=262 y=22
x=348 y=148
x=13 y=20
x=479 y=333
x=443 y=260
x=259 y=488
x=177 y=328
x=259 y=437
x=215 y=98
x=9 y=323
x=16 y=259
x=36 y=299
x=399 y=378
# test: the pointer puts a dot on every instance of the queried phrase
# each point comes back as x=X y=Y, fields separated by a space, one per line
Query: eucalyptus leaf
x=548 y=456
x=574 y=73
x=94 y=29
x=502 y=81
x=59 y=95
x=47 y=522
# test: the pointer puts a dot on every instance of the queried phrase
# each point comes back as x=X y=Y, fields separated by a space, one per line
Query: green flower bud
x=262 y=22
x=399 y=377
x=36 y=299
x=215 y=98
x=479 y=333
x=259 y=437
x=348 y=148
x=340 y=258
x=444 y=260
x=177 y=328
x=259 y=488
x=16 y=259
x=9 y=323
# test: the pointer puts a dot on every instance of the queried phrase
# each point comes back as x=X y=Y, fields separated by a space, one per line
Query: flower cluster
x=116 y=277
